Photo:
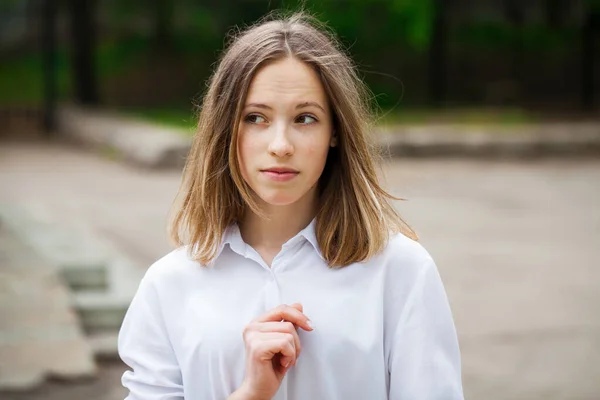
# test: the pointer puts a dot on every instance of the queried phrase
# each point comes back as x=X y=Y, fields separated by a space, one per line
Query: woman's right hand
x=272 y=348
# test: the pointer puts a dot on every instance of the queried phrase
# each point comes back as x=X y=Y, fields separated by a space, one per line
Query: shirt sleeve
x=425 y=361
x=145 y=347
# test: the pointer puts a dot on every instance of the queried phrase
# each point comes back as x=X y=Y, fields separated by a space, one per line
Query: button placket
x=272 y=289
x=272 y=293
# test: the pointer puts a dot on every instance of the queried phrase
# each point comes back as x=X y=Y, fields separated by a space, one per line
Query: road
x=517 y=245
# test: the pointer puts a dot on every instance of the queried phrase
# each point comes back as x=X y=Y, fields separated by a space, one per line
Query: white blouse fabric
x=383 y=328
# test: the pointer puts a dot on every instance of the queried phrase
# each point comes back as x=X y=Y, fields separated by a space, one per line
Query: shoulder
x=171 y=270
x=412 y=278
x=403 y=250
x=404 y=260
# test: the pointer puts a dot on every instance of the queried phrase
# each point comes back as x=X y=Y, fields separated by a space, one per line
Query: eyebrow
x=299 y=106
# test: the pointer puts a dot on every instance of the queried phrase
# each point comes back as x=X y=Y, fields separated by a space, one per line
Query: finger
x=289 y=314
x=283 y=327
x=287 y=362
x=269 y=346
x=288 y=351
x=284 y=360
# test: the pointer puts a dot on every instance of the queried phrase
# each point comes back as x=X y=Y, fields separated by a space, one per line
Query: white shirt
x=383 y=328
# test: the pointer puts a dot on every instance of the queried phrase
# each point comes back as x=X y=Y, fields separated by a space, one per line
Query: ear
x=334 y=140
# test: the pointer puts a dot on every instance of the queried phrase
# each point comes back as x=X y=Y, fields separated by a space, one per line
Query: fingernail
x=310 y=324
x=286 y=364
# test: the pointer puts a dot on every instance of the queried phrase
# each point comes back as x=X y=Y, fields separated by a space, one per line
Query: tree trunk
x=438 y=54
x=49 y=64
x=513 y=10
x=591 y=25
x=163 y=25
x=83 y=50
x=556 y=12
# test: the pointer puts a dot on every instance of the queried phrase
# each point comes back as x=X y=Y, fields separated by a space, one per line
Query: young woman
x=294 y=277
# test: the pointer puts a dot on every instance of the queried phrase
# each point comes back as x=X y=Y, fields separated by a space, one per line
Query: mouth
x=280 y=170
x=280 y=174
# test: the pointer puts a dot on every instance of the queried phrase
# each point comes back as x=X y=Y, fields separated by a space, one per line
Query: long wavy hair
x=354 y=218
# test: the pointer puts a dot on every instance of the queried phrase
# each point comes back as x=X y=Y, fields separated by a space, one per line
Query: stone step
x=104 y=345
x=100 y=312
x=81 y=263
x=40 y=334
x=133 y=140
x=102 y=281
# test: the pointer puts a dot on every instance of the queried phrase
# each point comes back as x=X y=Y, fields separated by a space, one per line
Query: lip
x=280 y=174
x=280 y=170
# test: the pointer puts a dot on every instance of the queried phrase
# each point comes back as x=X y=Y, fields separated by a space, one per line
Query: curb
x=158 y=147
x=134 y=141
x=100 y=281
x=523 y=142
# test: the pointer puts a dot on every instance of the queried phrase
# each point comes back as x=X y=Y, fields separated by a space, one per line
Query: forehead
x=287 y=79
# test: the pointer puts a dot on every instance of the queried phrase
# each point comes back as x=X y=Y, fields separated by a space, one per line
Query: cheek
x=317 y=151
x=246 y=150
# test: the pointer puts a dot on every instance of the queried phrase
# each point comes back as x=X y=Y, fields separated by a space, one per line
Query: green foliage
x=461 y=116
x=410 y=20
x=115 y=56
x=120 y=13
x=173 y=116
x=21 y=78
x=9 y=4
x=493 y=36
x=389 y=41
x=417 y=18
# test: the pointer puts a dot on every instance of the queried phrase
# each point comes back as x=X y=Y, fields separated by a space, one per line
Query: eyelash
x=247 y=119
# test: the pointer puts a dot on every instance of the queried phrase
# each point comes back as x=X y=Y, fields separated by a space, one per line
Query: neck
x=282 y=224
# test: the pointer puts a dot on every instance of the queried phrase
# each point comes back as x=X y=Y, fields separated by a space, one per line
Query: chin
x=279 y=199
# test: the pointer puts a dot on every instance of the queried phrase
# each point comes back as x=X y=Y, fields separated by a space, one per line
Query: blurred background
x=488 y=112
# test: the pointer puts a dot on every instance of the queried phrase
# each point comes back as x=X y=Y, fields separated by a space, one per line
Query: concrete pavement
x=40 y=334
x=518 y=247
x=517 y=244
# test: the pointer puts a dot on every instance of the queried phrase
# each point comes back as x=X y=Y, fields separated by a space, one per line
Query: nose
x=280 y=144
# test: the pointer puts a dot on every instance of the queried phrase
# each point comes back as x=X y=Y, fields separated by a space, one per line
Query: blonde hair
x=354 y=219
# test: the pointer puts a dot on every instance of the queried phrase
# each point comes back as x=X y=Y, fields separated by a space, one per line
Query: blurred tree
x=556 y=12
x=590 y=29
x=402 y=47
x=438 y=58
x=163 y=24
x=419 y=18
x=514 y=13
x=49 y=63
x=83 y=50
x=389 y=40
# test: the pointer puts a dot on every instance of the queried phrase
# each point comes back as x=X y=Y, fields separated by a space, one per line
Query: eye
x=255 y=119
x=306 y=119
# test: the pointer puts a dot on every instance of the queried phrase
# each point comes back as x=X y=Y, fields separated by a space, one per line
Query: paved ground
x=38 y=326
x=518 y=247
x=105 y=387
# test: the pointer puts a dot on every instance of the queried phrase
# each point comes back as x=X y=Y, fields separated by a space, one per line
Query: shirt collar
x=310 y=234
x=233 y=238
